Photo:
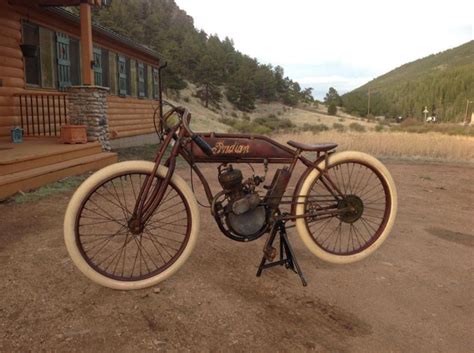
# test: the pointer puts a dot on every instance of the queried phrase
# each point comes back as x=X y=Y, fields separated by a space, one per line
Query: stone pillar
x=88 y=106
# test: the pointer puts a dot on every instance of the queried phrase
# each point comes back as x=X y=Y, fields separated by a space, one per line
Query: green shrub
x=338 y=127
x=447 y=129
x=234 y=114
x=410 y=122
x=186 y=99
x=315 y=128
x=261 y=125
x=332 y=109
x=356 y=127
x=355 y=113
x=275 y=123
x=379 y=128
x=227 y=121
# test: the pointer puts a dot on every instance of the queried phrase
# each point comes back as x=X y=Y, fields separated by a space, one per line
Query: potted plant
x=73 y=133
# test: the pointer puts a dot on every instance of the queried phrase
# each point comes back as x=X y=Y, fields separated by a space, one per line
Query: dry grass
x=430 y=146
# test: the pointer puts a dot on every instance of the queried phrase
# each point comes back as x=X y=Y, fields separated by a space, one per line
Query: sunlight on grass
x=429 y=146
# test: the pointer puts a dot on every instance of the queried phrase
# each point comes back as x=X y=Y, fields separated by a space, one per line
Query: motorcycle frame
x=265 y=150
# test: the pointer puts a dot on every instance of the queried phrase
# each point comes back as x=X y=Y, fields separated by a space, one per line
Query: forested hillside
x=212 y=63
x=443 y=82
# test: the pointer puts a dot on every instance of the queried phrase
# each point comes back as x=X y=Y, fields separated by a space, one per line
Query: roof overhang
x=106 y=32
x=60 y=2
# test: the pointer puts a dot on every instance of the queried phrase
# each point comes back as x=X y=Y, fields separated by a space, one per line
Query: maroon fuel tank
x=241 y=148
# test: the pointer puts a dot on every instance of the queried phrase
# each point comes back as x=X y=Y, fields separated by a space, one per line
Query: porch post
x=86 y=43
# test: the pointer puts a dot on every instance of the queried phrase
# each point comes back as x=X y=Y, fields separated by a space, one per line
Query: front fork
x=150 y=197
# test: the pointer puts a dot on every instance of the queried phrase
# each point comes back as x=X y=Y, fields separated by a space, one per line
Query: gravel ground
x=415 y=294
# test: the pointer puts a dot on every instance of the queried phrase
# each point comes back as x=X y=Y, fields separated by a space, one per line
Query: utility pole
x=368 y=104
x=467 y=111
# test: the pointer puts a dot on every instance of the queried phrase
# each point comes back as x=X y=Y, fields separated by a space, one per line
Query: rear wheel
x=347 y=227
x=106 y=245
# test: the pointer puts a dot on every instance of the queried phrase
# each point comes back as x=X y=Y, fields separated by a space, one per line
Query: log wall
x=11 y=66
x=128 y=116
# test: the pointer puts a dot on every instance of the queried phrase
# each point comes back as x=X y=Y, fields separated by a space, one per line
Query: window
x=156 y=83
x=98 y=77
x=133 y=78
x=32 y=63
x=141 y=76
x=127 y=66
x=113 y=72
x=105 y=68
x=122 y=75
x=75 y=66
x=64 y=60
x=149 y=82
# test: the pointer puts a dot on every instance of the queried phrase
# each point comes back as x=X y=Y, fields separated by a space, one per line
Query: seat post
x=295 y=160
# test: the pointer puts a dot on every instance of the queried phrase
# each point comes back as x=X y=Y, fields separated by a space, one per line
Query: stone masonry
x=88 y=106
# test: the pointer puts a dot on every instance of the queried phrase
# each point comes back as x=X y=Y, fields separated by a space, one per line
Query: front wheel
x=110 y=252
x=349 y=210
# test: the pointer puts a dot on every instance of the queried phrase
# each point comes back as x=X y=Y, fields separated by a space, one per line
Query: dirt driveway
x=415 y=294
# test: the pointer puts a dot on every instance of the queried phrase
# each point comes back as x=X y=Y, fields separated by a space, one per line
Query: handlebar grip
x=203 y=145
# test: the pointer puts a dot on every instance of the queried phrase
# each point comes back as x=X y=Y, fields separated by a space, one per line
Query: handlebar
x=185 y=117
x=203 y=145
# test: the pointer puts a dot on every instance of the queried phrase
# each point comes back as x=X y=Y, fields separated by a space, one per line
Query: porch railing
x=42 y=114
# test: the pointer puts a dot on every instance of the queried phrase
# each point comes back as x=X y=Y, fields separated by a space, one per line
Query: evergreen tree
x=197 y=57
x=240 y=89
x=332 y=97
x=332 y=108
x=208 y=80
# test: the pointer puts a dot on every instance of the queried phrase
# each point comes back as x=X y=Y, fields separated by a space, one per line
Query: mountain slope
x=442 y=82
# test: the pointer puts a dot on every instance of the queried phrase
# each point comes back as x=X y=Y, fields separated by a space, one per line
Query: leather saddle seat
x=318 y=147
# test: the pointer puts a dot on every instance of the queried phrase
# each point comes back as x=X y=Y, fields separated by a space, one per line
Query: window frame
x=141 y=83
x=156 y=83
x=38 y=56
x=98 y=66
x=122 y=60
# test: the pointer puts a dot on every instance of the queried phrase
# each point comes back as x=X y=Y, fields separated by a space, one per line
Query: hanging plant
x=29 y=50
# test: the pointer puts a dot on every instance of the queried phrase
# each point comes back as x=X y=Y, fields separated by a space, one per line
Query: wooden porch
x=41 y=160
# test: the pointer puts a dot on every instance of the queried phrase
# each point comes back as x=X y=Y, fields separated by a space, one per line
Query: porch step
x=36 y=156
x=33 y=178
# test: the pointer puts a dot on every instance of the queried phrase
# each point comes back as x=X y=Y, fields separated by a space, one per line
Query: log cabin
x=57 y=68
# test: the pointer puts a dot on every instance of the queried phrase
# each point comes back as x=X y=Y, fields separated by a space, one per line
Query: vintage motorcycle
x=133 y=224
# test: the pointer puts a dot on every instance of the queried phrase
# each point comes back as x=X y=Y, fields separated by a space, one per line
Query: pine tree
x=332 y=97
x=240 y=89
x=208 y=80
x=332 y=108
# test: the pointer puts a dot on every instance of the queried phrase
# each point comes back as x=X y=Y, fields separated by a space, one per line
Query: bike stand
x=287 y=256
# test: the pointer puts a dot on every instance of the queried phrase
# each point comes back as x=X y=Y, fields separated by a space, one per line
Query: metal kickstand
x=287 y=256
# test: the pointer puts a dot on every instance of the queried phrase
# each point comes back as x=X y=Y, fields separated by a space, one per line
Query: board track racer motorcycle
x=133 y=224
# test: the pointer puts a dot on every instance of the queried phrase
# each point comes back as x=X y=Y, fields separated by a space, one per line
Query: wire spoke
x=106 y=239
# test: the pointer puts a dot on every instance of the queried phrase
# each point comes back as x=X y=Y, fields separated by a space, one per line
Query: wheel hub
x=135 y=226
x=352 y=207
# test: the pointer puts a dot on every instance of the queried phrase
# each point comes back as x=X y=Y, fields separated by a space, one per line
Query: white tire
x=318 y=246
x=95 y=181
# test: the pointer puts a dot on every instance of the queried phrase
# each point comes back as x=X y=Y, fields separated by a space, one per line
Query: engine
x=238 y=209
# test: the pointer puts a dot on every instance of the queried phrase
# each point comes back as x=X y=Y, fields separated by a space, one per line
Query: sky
x=342 y=44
